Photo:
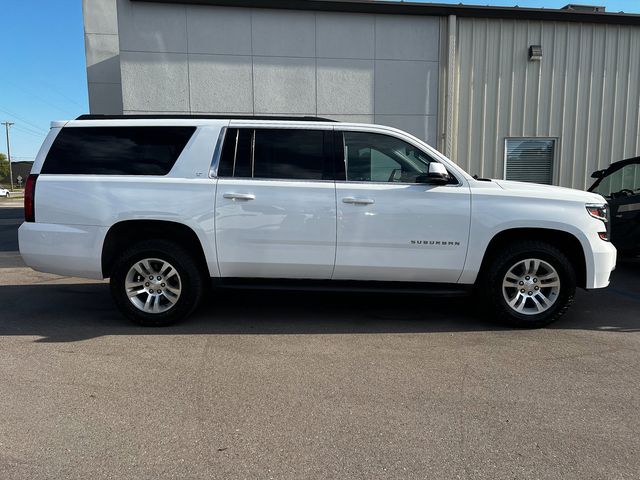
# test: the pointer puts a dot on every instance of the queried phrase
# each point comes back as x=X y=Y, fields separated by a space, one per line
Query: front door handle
x=358 y=201
x=239 y=196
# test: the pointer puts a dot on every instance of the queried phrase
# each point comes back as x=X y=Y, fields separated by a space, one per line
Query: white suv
x=162 y=204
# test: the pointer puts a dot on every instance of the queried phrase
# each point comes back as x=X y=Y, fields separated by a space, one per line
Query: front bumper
x=604 y=256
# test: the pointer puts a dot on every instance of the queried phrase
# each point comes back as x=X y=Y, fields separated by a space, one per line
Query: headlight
x=601 y=212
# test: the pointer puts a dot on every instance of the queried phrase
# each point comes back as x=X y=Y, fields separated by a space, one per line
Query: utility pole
x=6 y=126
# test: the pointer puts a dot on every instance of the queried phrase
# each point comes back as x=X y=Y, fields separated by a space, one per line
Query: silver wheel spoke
x=171 y=272
x=147 y=265
x=544 y=299
x=548 y=276
x=147 y=304
x=535 y=266
x=511 y=278
x=136 y=292
x=140 y=269
x=164 y=267
x=139 y=283
x=518 y=302
x=171 y=298
x=174 y=291
x=539 y=306
x=156 y=305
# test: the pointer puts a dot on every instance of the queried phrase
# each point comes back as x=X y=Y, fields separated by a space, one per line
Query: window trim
x=217 y=153
x=555 y=170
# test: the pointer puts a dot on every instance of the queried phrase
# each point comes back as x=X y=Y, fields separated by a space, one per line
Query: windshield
x=623 y=182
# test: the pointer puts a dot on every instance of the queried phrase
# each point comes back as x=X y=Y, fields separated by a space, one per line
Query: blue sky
x=43 y=65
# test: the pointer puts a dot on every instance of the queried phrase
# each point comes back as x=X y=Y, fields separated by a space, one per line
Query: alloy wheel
x=153 y=285
x=531 y=286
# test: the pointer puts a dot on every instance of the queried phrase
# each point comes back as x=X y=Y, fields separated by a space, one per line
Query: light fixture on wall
x=535 y=53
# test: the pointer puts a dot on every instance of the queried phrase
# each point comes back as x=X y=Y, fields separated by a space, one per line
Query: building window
x=529 y=159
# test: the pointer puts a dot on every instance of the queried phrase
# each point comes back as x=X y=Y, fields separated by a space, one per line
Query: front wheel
x=529 y=285
x=156 y=283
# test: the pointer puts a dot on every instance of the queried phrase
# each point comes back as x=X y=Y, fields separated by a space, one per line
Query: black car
x=620 y=185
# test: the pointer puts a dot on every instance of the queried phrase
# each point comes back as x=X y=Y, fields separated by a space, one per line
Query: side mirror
x=598 y=174
x=437 y=175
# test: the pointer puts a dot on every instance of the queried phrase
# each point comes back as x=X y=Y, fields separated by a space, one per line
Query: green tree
x=4 y=165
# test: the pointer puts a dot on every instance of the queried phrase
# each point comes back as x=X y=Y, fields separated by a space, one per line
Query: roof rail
x=203 y=117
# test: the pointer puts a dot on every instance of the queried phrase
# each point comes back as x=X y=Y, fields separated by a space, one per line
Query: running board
x=422 y=288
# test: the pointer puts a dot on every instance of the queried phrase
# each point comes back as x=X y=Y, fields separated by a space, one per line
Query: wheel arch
x=566 y=242
x=124 y=233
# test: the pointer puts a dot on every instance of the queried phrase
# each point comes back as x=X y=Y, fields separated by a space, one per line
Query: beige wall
x=585 y=92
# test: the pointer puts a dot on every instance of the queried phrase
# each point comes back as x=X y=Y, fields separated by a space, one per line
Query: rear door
x=275 y=203
x=390 y=227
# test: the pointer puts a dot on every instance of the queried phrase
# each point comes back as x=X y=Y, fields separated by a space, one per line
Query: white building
x=526 y=94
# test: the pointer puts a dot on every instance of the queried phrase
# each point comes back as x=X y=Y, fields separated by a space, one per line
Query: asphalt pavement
x=312 y=386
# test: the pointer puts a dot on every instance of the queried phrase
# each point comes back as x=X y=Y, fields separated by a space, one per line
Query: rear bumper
x=73 y=250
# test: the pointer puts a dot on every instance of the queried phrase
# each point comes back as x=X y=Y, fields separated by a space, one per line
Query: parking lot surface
x=314 y=385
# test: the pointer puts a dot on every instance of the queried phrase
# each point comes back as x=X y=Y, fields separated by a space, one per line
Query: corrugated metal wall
x=585 y=92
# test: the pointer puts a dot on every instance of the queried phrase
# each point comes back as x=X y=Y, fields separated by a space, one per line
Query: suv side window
x=235 y=160
x=116 y=150
x=374 y=157
x=287 y=154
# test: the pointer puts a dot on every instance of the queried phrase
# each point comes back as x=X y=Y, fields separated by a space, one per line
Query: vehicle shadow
x=74 y=312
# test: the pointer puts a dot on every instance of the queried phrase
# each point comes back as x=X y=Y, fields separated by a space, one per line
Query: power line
x=38 y=97
x=35 y=127
x=29 y=132
x=59 y=92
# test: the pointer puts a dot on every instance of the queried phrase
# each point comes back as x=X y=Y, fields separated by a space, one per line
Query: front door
x=621 y=188
x=391 y=228
x=275 y=212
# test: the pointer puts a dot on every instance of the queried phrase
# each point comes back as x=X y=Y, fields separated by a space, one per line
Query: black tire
x=191 y=277
x=490 y=287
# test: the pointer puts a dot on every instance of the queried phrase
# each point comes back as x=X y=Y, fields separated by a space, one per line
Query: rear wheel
x=156 y=283
x=530 y=284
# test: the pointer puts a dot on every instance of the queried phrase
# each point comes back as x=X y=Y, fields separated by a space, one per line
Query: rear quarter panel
x=186 y=195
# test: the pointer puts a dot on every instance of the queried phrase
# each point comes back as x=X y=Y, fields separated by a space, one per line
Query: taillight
x=30 y=198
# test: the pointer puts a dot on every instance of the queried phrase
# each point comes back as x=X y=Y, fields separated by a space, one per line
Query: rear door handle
x=358 y=201
x=239 y=196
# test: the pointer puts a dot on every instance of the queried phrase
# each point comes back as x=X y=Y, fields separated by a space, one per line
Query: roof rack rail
x=202 y=117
